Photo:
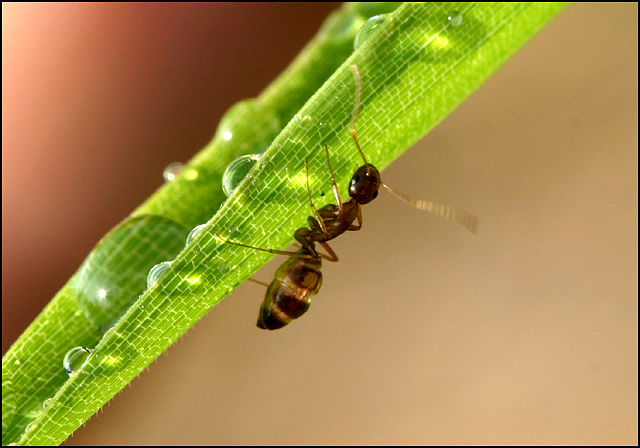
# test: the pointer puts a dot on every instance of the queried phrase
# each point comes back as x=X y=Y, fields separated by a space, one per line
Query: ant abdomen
x=289 y=294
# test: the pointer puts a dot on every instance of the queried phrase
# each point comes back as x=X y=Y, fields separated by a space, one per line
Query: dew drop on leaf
x=172 y=171
x=194 y=233
x=248 y=124
x=455 y=18
x=224 y=268
x=8 y=404
x=46 y=403
x=237 y=171
x=156 y=272
x=75 y=359
x=111 y=278
x=367 y=29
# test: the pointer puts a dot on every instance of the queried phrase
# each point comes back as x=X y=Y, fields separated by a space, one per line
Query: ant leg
x=336 y=193
x=313 y=207
x=257 y=281
x=359 y=218
x=331 y=256
x=272 y=251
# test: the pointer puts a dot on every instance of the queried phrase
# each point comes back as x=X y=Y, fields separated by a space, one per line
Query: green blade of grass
x=417 y=66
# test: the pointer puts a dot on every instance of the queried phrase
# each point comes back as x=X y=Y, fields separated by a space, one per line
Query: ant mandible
x=299 y=278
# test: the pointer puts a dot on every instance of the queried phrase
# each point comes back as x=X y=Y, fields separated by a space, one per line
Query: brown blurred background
x=422 y=334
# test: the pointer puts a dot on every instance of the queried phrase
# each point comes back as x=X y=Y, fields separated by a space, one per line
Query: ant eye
x=375 y=195
x=355 y=179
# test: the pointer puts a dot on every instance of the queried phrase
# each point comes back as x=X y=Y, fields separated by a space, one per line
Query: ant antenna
x=460 y=217
x=352 y=127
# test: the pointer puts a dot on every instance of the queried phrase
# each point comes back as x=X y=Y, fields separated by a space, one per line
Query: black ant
x=296 y=281
x=299 y=278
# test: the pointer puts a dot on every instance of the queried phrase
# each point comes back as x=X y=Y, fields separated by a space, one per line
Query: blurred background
x=422 y=334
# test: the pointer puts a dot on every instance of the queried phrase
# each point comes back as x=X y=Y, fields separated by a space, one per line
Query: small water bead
x=156 y=271
x=237 y=171
x=172 y=171
x=46 y=403
x=303 y=121
x=455 y=18
x=75 y=359
x=194 y=233
x=367 y=29
x=224 y=268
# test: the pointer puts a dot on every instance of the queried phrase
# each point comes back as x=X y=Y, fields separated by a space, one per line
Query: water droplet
x=455 y=18
x=156 y=271
x=172 y=171
x=9 y=403
x=194 y=233
x=303 y=121
x=367 y=29
x=237 y=171
x=234 y=128
x=224 y=268
x=75 y=359
x=46 y=403
x=102 y=289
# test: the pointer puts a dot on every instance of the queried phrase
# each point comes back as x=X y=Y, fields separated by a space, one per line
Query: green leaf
x=417 y=65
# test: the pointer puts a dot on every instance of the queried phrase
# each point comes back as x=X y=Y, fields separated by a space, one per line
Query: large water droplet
x=455 y=18
x=237 y=171
x=367 y=29
x=172 y=171
x=248 y=125
x=111 y=278
x=75 y=359
x=156 y=271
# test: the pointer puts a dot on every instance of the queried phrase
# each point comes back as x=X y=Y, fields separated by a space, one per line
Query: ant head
x=365 y=184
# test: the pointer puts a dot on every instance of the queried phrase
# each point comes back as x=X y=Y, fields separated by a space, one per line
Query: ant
x=299 y=278
x=296 y=281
